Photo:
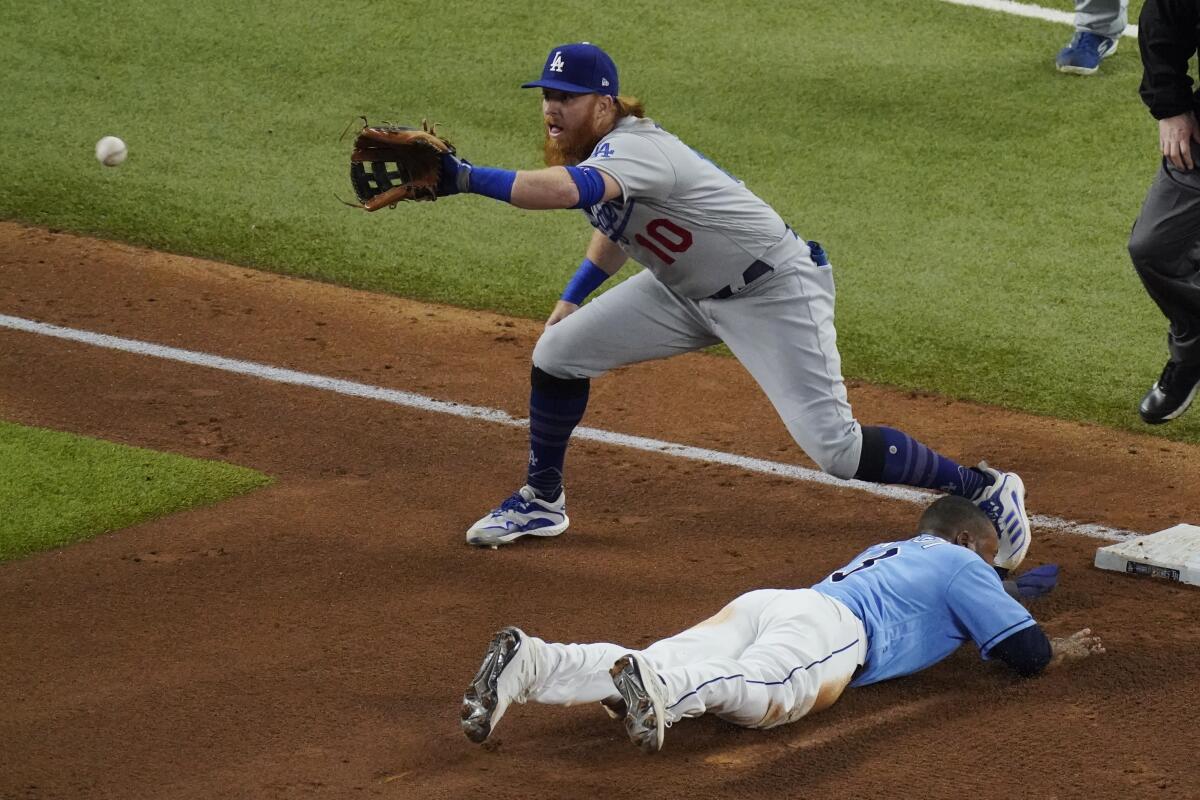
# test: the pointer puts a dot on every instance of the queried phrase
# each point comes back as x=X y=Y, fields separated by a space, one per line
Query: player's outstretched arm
x=1076 y=647
x=604 y=259
x=539 y=189
x=559 y=187
x=1029 y=652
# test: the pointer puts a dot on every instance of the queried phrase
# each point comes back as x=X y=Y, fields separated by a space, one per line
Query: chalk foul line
x=1031 y=11
x=496 y=416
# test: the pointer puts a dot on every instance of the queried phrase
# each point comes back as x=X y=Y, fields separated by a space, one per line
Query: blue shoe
x=1083 y=55
x=520 y=515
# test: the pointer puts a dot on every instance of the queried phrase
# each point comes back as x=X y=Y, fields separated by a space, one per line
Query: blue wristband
x=493 y=182
x=585 y=281
x=590 y=183
x=817 y=254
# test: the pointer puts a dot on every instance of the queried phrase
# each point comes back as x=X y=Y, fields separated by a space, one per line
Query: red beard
x=569 y=149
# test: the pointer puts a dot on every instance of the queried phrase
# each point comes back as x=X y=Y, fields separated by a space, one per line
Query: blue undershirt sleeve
x=1027 y=651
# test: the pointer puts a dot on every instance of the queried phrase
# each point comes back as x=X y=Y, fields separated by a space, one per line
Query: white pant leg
x=579 y=673
x=803 y=657
x=568 y=674
x=782 y=331
x=639 y=320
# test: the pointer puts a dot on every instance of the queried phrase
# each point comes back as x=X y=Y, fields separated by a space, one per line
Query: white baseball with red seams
x=111 y=151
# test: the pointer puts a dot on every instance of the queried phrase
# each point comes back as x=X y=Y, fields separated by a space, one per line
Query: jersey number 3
x=667 y=238
x=867 y=562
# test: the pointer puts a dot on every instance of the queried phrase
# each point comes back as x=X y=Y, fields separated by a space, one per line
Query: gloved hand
x=456 y=175
x=394 y=163
x=1037 y=582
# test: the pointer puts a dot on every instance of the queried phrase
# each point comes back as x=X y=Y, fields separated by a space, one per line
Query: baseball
x=111 y=151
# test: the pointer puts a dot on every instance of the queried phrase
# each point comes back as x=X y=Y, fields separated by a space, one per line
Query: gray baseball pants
x=1165 y=249
x=780 y=327
x=1102 y=17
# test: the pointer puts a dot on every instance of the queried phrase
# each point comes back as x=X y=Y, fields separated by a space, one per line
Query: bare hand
x=1077 y=646
x=561 y=309
x=1175 y=136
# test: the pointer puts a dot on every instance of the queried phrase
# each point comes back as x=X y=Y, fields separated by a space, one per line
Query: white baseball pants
x=766 y=659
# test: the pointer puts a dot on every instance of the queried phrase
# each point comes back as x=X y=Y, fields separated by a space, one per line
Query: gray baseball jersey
x=694 y=226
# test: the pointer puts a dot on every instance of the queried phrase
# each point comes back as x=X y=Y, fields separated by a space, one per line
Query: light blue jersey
x=919 y=600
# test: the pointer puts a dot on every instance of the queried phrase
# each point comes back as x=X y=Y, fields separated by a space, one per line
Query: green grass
x=57 y=488
x=975 y=202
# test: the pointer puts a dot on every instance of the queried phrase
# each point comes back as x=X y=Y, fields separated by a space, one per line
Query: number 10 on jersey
x=663 y=237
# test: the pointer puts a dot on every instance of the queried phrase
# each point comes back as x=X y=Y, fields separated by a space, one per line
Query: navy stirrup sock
x=892 y=456
x=556 y=406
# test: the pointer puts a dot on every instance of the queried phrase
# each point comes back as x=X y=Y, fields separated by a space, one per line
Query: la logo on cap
x=577 y=68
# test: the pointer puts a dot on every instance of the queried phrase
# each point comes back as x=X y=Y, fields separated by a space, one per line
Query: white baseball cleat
x=1004 y=504
x=645 y=698
x=505 y=676
x=522 y=514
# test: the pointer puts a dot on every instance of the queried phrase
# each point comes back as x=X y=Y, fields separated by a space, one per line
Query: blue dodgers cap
x=580 y=68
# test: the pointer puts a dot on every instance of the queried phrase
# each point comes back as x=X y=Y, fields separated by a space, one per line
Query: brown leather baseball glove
x=392 y=163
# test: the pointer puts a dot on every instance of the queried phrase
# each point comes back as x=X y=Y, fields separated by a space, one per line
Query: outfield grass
x=57 y=488
x=975 y=202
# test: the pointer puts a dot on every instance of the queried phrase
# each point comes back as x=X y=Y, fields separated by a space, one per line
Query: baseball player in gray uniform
x=721 y=266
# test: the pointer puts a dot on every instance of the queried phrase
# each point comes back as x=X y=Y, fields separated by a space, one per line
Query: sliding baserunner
x=774 y=655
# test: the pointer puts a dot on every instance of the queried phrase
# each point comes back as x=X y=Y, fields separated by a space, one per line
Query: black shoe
x=1171 y=394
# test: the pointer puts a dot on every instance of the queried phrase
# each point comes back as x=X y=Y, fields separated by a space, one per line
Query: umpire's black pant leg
x=1165 y=249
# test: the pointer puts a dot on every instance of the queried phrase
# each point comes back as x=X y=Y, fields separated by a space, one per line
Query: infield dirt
x=313 y=639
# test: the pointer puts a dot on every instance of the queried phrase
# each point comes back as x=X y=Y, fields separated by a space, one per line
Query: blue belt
x=752 y=273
